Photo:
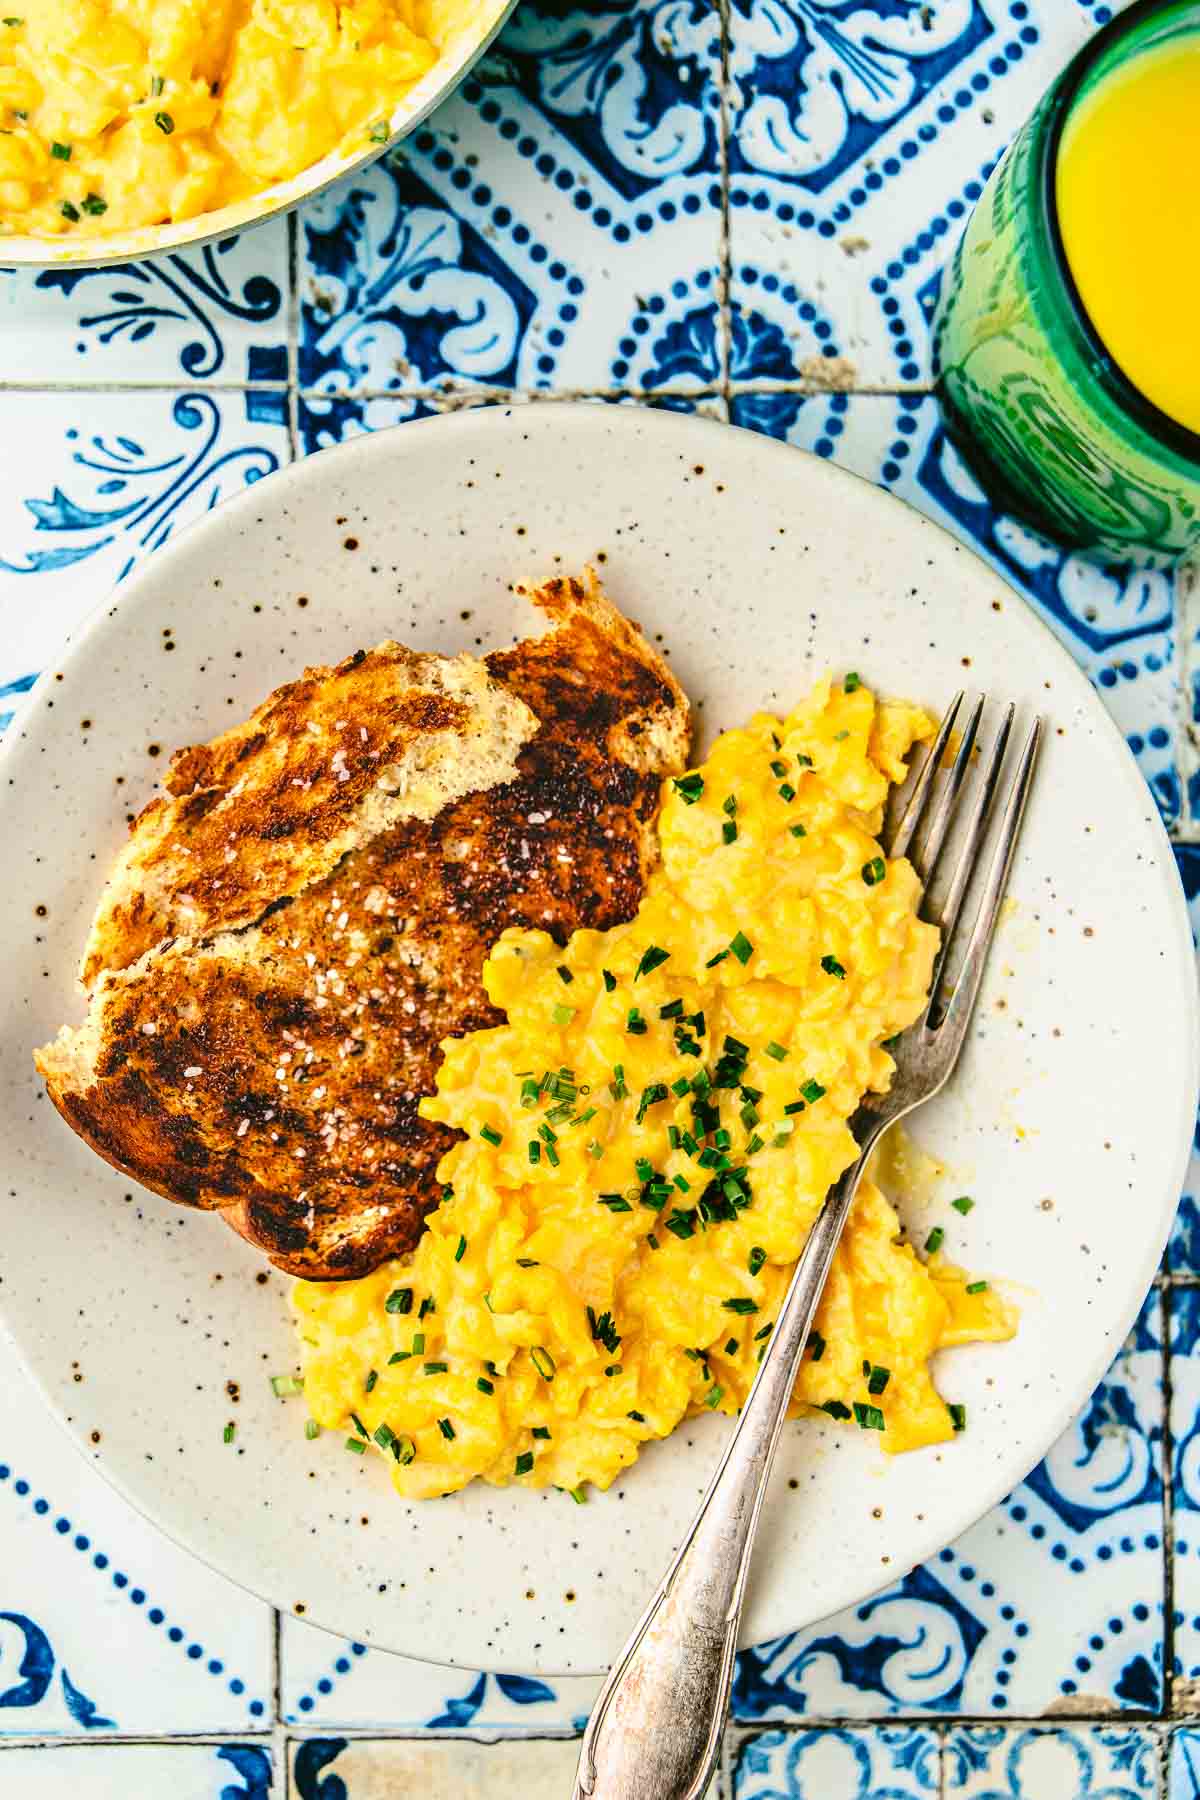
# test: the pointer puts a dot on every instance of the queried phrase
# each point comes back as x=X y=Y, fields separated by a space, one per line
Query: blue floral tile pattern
x=1077 y=1762
x=142 y=1772
x=217 y=314
x=742 y=211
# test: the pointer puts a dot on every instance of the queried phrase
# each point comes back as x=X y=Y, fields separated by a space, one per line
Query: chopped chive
x=61 y=152
x=436 y=1368
x=651 y=1096
x=852 y=681
x=874 y=871
x=399 y=1301
x=69 y=212
x=604 y=1330
x=369 y=1383
x=595 y=1148
x=689 y=788
x=815 y=1345
x=729 y=832
x=958 y=1417
x=311 y=1429
x=491 y=1136
x=776 y=1051
x=729 y=805
x=651 y=959
x=446 y=1429
x=541 y=1431
x=156 y=85
x=718 y=958
x=523 y=1463
x=609 y=979
x=355 y=1444
x=963 y=1205
x=577 y=1494
x=543 y=1362
x=283 y=1385
x=869 y=1418
x=527 y=1262
x=836 y=1409
x=934 y=1241
x=230 y=1431
x=756 y=1259
x=731 y=1347
x=484 y=1385
x=383 y=1435
x=427 y=1307
x=165 y=123
x=740 y=1304
x=359 y=1426
x=797 y=831
x=564 y=974
x=878 y=1379
x=552 y=1156
x=812 y=1091
x=840 y=736
x=765 y=1332
x=832 y=966
x=379 y=132
x=672 y=1010
x=714 y=1396
x=786 y=791
x=399 y=1356
x=461 y=1250
x=616 y=1086
x=977 y=1287
x=616 y=1203
x=562 y=1015
x=639 y=1418
x=403 y=1448
x=741 y=947
x=418 y=1343
x=535 y=1151
x=635 y=1025
x=779 y=770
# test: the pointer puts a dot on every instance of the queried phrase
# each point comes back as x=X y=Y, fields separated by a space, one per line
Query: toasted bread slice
x=322 y=765
x=274 y=1070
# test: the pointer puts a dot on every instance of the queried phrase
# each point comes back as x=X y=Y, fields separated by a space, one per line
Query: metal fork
x=655 y=1731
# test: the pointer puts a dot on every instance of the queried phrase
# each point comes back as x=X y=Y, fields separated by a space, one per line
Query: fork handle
x=655 y=1731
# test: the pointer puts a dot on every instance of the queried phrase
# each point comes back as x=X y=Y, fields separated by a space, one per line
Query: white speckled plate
x=1069 y=1120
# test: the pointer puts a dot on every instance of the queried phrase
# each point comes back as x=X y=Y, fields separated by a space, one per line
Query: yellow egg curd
x=119 y=113
x=649 y=1139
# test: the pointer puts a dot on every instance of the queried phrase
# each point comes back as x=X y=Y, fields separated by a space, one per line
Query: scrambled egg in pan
x=649 y=1139
x=117 y=113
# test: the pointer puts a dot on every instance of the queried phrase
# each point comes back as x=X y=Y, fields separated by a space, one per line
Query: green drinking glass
x=1052 y=428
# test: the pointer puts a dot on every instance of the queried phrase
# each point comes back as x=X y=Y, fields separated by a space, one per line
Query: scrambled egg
x=649 y=1139
x=118 y=113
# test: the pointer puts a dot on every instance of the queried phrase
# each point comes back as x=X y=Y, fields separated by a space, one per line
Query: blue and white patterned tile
x=330 y=1768
x=140 y=1772
x=1183 y=1317
x=1076 y=1762
x=1117 y=623
x=1183 y=1248
x=327 y=1682
x=1183 y=1772
x=557 y=225
x=860 y=138
x=90 y=483
x=897 y=1762
x=106 y=1626
x=1053 y=1600
x=216 y=314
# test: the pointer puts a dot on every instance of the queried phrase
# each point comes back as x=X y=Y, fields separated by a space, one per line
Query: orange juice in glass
x=1067 y=338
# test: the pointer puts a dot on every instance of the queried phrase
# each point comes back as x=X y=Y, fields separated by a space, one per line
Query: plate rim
x=497 y=418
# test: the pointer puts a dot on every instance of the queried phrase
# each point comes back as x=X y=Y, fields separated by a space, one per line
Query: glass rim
x=1149 y=416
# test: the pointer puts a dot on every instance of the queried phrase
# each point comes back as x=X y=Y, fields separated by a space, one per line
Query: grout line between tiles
x=1168 y=1533
x=1187 y=601
x=722 y=389
x=725 y=254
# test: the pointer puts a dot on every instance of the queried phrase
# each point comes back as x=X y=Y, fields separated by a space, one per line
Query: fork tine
x=918 y=800
x=925 y=860
x=962 y=1001
x=981 y=808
